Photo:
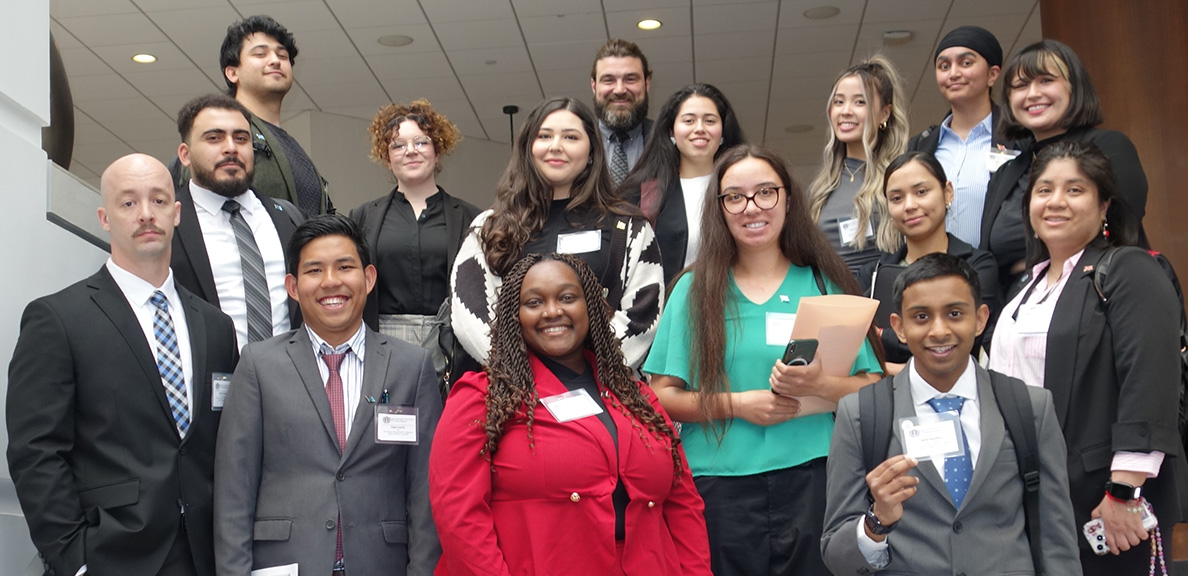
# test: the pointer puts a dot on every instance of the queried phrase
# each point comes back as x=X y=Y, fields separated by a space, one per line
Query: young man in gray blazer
x=918 y=523
x=323 y=456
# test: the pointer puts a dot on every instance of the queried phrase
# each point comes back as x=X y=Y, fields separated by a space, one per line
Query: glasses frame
x=419 y=144
x=750 y=198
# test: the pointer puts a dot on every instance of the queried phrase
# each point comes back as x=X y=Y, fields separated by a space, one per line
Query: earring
x=722 y=142
x=672 y=139
x=1105 y=228
x=948 y=205
x=883 y=126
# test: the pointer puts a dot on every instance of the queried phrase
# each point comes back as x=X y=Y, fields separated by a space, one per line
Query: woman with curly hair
x=758 y=460
x=416 y=229
x=868 y=129
x=556 y=459
x=669 y=181
x=556 y=196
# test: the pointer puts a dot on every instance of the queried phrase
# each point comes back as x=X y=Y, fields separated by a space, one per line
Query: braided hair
x=512 y=385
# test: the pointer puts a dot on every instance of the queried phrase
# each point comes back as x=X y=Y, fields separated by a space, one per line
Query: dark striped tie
x=255 y=287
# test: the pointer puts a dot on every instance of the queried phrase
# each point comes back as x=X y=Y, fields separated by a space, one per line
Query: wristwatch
x=1123 y=491
x=876 y=527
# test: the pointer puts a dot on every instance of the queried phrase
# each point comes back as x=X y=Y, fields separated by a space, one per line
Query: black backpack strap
x=1014 y=404
x=820 y=280
x=876 y=409
x=618 y=257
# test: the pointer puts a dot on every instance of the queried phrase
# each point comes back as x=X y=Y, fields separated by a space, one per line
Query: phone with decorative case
x=1094 y=529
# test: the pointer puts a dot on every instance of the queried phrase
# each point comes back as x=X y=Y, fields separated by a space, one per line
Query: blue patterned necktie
x=958 y=469
x=169 y=363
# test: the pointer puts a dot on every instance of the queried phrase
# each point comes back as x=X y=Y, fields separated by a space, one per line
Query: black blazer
x=191 y=262
x=1115 y=380
x=671 y=225
x=93 y=449
x=928 y=140
x=370 y=216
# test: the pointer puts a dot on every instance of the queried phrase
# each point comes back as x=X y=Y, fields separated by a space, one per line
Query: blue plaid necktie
x=169 y=363
x=958 y=469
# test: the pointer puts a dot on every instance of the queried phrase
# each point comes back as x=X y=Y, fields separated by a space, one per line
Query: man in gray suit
x=973 y=523
x=322 y=458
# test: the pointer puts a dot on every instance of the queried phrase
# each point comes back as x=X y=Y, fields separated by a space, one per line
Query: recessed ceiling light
x=798 y=129
x=649 y=24
x=897 y=37
x=395 y=40
x=144 y=58
x=822 y=12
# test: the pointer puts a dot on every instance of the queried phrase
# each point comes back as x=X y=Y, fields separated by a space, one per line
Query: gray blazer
x=987 y=535
x=282 y=486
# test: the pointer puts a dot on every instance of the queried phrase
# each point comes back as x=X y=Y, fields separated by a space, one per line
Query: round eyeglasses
x=764 y=198
x=400 y=147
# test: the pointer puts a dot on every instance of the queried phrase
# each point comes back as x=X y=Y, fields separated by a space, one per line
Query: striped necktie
x=255 y=287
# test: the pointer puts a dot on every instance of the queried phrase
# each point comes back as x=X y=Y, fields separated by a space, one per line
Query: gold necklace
x=854 y=172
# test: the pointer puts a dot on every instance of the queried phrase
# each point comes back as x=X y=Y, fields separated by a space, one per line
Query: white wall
x=41 y=257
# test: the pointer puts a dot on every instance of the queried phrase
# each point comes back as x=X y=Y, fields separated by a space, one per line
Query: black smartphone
x=800 y=352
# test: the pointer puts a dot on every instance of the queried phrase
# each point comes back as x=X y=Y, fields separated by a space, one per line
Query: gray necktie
x=255 y=287
x=618 y=160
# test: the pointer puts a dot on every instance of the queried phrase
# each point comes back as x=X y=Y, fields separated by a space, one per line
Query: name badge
x=996 y=158
x=395 y=424
x=571 y=405
x=579 y=242
x=220 y=385
x=1034 y=318
x=848 y=229
x=779 y=328
x=932 y=436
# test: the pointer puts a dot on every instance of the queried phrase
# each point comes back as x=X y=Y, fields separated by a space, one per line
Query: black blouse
x=411 y=257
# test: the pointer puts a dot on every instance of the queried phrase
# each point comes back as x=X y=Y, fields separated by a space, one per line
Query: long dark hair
x=800 y=241
x=511 y=384
x=661 y=160
x=1055 y=58
x=1124 y=227
x=523 y=197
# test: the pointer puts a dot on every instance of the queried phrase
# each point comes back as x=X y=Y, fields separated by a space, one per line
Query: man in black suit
x=229 y=246
x=620 y=81
x=114 y=395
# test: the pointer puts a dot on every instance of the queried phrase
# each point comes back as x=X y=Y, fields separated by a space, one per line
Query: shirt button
x=575 y=497
x=651 y=504
x=329 y=524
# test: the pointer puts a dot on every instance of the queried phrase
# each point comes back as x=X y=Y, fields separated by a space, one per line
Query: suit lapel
x=189 y=239
x=285 y=223
x=300 y=351
x=993 y=433
x=376 y=361
x=1071 y=339
x=196 y=326
x=372 y=217
x=111 y=300
x=455 y=227
x=905 y=408
x=547 y=385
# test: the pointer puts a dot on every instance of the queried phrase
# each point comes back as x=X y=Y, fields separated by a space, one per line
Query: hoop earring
x=883 y=126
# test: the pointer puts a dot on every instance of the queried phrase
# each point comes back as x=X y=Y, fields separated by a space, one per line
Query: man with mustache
x=620 y=81
x=229 y=246
x=115 y=392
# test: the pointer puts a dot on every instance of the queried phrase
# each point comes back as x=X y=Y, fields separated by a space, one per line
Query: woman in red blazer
x=556 y=460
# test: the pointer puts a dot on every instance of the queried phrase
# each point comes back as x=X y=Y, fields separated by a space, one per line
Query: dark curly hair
x=238 y=31
x=512 y=386
x=444 y=134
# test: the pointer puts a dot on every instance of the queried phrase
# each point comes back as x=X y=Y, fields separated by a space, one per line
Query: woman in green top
x=715 y=363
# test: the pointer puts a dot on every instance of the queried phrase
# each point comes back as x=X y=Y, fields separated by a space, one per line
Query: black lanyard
x=1030 y=289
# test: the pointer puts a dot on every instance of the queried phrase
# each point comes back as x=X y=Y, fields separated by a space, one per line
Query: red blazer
x=547 y=509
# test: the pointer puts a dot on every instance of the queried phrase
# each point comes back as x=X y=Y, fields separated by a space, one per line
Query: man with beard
x=620 y=81
x=228 y=247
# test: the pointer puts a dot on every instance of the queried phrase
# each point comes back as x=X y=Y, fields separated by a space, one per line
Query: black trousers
x=766 y=524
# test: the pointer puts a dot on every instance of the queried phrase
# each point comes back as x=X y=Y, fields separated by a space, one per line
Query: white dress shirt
x=971 y=422
x=693 y=190
x=223 y=251
x=351 y=369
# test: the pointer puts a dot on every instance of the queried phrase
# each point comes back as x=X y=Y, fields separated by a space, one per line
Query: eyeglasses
x=400 y=147
x=764 y=199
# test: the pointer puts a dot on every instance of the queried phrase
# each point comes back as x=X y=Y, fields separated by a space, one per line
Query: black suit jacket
x=191 y=262
x=94 y=453
x=671 y=225
x=1115 y=380
x=370 y=216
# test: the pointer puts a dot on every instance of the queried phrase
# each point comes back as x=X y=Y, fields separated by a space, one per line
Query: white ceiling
x=472 y=57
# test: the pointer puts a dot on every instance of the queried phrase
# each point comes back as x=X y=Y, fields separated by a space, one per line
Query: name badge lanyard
x=1031 y=288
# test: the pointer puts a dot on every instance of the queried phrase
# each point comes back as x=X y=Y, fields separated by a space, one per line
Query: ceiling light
x=798 y=129
x=822 y=12
x=897 y=37
x=395 y=40
x=649 y=24
x=144 y=58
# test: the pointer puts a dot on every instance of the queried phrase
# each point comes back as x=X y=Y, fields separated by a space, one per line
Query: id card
x=220 y=385
x=579 y=242
x=1034 y=318
x=996 y=158
x=779 y=328
x=395 y=424
x=848 y=229
x=932 y=436
x=571 y=405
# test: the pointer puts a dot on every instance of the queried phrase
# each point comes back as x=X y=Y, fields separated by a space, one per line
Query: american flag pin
x=1088 y=268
